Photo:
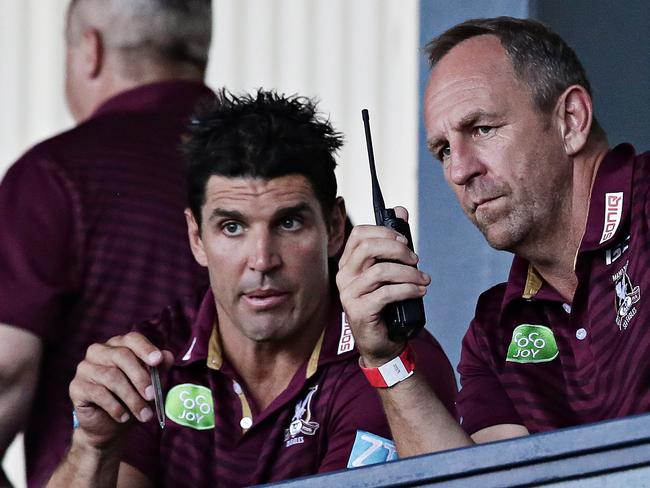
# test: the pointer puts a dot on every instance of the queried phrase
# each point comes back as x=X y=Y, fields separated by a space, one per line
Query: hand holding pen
x=118 y=381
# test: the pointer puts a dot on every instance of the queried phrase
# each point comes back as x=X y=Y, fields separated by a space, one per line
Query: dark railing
x=610 y=454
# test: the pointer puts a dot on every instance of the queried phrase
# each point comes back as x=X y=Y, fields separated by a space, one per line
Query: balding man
x=94 y=237
x=509 y=115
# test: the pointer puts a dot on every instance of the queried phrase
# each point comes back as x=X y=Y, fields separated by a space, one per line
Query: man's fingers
x=115 y=381
x=402 y=213
x=140 y=346
x=363 y=233
x=395 y=293
x=123 y=361
x=385 y=273
x=101 y=397
x=369 y=251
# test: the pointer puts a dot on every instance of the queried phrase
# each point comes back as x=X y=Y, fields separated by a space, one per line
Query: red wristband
x=394 y=371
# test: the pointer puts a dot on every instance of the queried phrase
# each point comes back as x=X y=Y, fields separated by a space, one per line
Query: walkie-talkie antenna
x=377 y=197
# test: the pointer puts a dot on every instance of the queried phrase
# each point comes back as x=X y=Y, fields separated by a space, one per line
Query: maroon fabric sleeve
x=141 y=448
x=482 y=401
x=432 y=363
x=37 y=248
x=355 y=406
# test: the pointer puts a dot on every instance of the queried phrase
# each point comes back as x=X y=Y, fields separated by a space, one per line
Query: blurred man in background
x=93 y=237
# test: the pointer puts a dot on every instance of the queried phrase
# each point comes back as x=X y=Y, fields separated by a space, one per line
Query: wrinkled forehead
x=259 y=195
x=477 y=74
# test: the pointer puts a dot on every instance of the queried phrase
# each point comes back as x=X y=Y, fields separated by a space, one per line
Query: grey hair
x=173 y=30
x=540 y=57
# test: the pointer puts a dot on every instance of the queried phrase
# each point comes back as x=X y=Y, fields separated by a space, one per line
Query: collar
x=334 y=344
x=177 y=97
x=525 y=282
x=612 y=184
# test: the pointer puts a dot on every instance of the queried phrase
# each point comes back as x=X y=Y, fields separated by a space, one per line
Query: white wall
x=351 y=54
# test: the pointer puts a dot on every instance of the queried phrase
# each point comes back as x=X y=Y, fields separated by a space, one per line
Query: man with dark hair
x=93 y=237
x=260 y=376
x=508 y=112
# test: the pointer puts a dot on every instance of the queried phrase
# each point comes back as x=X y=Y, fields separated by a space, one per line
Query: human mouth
x=264 y=299
x=475 y=205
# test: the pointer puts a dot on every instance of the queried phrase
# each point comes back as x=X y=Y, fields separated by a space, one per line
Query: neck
x=268 y=367
x=115 y=80
x=555 y=258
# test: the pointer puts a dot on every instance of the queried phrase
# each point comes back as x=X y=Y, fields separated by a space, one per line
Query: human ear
x=575 y=114
x=92 y=49
x=194 y=235
x=336 y=232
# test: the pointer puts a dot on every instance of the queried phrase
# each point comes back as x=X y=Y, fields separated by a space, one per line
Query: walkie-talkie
x=405 y=318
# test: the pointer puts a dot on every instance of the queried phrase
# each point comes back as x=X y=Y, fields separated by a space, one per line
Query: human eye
x=290 y=223
x=483 y=130
x=231 y=228
x=443 y=153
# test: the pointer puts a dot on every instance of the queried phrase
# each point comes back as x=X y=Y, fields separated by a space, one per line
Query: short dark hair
x=540 y=58
x=262 y=135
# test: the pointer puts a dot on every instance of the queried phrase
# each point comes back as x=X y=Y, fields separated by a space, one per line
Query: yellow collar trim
x=533 y=283
x=215 y=354
x=312 y=365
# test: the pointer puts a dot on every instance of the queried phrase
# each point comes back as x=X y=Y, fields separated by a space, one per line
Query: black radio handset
x=403 y=319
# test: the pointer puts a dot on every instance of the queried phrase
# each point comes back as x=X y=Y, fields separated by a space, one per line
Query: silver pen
x=157 y=395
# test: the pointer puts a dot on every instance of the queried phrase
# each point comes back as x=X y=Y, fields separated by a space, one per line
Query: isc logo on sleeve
x=371 y=449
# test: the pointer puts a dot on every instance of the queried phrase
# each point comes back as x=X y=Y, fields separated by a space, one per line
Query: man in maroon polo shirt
x=260 y=377
x=508 y=112
x=93 y=238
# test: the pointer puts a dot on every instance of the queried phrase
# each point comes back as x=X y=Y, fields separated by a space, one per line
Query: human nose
x=263 y=256
x=464 y=163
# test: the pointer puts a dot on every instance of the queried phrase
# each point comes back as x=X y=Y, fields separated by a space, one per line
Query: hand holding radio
x=380 y=286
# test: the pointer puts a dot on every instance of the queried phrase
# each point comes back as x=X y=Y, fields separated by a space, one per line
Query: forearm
x=86 y=466
x=20 y=354
x=14 y=406
x=419 y=421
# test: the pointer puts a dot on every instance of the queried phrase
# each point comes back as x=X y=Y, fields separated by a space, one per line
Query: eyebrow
x=300 y=208
x=468 y=120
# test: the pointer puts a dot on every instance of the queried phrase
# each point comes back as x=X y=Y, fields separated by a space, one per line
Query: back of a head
x=165 y=32
x=263 y=135
x=541 y=59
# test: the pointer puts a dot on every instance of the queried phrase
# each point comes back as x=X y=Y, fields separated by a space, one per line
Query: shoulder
x=489 y=304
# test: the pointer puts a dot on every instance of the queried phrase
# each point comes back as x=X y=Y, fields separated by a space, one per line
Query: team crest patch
x=626 y=296
x=371 y=449
x=191 y=406
x=613 y=213
x=532 y=344
x=301 y=423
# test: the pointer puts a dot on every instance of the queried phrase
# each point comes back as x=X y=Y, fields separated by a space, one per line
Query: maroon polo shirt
x=93 y=241
x=310 y=428
x=599 y=366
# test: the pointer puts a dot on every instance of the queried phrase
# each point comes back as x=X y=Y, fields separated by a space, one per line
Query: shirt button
x=581 y=333
x=236 y=387
x=246 y=423
x=566 y=307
